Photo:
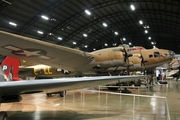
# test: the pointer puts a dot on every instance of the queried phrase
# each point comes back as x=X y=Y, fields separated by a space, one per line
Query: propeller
x=143 y=61
x=126 y=56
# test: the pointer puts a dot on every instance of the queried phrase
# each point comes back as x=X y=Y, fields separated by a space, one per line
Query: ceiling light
x=149 y=38
x=87 y=12
x=140 y=22
x=154 y=46
x=40 y=32
x=85 y=46
x=7 y=2
x=124 y=39
x=116 y=33
x=104 y=24
x=152 y=43
x=146 y=31
x=94 y=48
x=50 y=34
x=146 y=26
x=132 y=7
x=85 y=35
x=114 y=44
x=74 y=43
x=68 y=27
x=60 y=38
x=106 y=44
x=130 y=43
x=53 y=19
x=44 y=17
x=13 y=24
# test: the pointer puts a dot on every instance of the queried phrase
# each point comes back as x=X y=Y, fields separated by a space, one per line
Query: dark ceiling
x=68 y=20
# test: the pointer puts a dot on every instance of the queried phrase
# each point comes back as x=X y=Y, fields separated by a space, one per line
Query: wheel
x=125 y=91
x=48 y=94
x=113 y=88
x=3 y=116
x=137 y=84
x=62 y=93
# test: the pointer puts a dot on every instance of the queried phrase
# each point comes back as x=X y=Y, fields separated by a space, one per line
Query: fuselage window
x=165 y=54
x=156 y=54
x=150 y=56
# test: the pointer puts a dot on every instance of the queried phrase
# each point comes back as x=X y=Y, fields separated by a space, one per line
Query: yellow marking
x=35 y=72
x=47 y=70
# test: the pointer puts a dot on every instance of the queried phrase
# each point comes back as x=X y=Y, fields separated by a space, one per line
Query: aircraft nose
x=172 y=54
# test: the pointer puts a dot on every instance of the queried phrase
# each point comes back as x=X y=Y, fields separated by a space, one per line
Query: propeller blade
x=126 y=56
x=143 y=61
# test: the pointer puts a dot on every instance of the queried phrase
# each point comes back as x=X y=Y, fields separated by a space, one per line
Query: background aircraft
x=174 y=64
x=173 y=70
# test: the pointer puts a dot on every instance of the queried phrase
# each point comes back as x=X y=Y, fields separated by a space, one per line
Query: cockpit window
x=156 y=54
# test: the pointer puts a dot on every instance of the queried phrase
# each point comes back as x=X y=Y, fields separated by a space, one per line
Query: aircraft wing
x=40 y=52
x=62 y=84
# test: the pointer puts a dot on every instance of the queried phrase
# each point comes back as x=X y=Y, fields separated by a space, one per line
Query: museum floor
x=90 y=105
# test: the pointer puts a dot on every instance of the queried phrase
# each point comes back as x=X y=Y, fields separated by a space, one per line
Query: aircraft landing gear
x=113 y=88
x=48 y=94
x=126 y=91
x=3 y=116
x=61 y=93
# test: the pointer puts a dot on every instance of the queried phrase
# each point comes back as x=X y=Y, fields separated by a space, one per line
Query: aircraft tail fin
x=10 y=66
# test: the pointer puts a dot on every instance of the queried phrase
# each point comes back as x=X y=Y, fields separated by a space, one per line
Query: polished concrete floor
x=90 y=105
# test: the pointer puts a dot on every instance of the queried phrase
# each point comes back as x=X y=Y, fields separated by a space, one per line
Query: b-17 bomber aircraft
x=108 y=60
x=136 y=63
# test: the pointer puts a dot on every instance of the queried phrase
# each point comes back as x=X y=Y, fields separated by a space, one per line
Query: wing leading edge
x=37 y=51
x=62 y=84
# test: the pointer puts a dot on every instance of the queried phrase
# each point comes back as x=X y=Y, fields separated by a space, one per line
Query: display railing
x=156 y=107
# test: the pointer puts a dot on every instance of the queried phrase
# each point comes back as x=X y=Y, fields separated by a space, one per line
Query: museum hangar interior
x=91 y=25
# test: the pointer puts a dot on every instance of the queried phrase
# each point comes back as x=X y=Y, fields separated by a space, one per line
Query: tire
x=62 y=93
x=126 y=91
x=3 y=116
x=113 y=88
x=48 y=94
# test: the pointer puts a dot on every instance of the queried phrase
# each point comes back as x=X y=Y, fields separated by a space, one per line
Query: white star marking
x=29 y=53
